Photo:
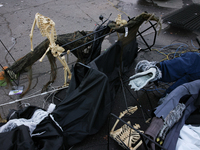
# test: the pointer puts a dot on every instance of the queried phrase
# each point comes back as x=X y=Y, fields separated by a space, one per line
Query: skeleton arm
x=130 y=111
x=31 y=34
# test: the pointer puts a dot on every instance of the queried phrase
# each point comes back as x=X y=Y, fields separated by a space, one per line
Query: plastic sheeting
x=116 y=61
x=86 y=106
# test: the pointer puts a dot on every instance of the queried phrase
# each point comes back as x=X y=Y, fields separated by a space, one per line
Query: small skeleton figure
x=119 y=20
x=126 y=136
x=47 y=29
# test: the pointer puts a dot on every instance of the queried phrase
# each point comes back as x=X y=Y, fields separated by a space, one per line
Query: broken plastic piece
x=16 y=90
x=126 y=32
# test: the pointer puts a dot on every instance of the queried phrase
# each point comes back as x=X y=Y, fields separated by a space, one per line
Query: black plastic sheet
x=86 y=106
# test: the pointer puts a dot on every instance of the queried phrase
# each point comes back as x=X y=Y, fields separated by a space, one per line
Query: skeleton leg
x=66 y=69
x=44 y=54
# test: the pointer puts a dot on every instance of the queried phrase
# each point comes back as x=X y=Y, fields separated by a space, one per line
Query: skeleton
x=120 y=22
x=47 y=29
x=126 y=136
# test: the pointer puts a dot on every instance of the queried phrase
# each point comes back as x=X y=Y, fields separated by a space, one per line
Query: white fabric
x=56 y=122
x=51 y=108
x=189 y=138
x=140 y=79
x=145 y=65
x=37 y=117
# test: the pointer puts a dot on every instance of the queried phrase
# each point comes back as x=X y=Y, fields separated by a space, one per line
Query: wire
x=193 y=44
x=155 y=89
x=173 y=45
x=179 y=48
x=167 y=55
x=22 y=99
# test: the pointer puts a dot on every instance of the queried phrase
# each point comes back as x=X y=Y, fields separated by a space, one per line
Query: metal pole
x=7 y=50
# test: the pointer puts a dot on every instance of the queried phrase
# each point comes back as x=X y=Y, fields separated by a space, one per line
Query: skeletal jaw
x=140 y=79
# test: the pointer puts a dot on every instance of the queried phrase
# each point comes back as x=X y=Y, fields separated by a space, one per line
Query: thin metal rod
x=123 y=91
x=137 y=102
x=147 y=28
x=64 y=53
x=83 y=37
x=131 y=78
x=144 y=41
x=7 y=50
x=90 y=33
x=154 y=40
x=1 y=66
x=8 y=75
x=83 y=65
x=145 y=144
x=149 y=99
x=140 y=33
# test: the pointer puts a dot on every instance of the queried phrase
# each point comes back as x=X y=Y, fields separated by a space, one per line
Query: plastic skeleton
x=47 y=29
x=120 y=22
x=126 y=136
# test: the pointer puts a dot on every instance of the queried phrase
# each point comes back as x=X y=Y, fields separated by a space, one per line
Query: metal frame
x=139 y=34
x=155 y=35
x=17 y=84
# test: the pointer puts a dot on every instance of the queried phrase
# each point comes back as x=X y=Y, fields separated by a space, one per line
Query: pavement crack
x=8 y=24
x=12 y=38
x=86 y=13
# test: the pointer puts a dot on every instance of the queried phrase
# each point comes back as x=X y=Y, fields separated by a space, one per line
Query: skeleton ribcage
x=46 y=29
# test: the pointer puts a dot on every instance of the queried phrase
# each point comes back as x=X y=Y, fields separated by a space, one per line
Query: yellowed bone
x=125 y=133
x=47 y=29
x=119 y=22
